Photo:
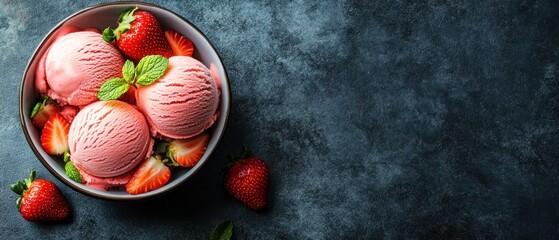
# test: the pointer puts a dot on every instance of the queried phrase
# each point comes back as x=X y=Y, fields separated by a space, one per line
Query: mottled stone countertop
x=378 y=119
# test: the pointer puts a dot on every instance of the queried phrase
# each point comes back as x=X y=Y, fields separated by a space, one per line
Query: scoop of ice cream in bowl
x=124 y=110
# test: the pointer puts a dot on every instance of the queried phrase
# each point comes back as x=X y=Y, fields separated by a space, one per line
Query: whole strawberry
x=247 y=180
x=40 y=200
x=138 y=35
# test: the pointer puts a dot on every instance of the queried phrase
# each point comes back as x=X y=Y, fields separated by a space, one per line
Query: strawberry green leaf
x=128 y=71
x=150 y=68
x=36 y=109
x=66 y=156
x=26 y=183
x=223 y=231
x=161 y=148
x=112 y=89
x=127 y=16
x=18 y=203
x=16 y=188
x=32 y=175
x=23 y=184
x=72 y=172
x=124 y=21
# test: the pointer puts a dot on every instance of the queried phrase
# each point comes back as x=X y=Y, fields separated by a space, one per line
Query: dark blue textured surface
x=379 y=119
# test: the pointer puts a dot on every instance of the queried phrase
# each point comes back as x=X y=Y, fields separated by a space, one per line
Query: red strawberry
x=138 y=35
x=40 y=200
x=247 y=180
x=55 y=135
x=181 y=45
x=42 y=112
x=187 y=152
x=69 y=112
x=151 y=175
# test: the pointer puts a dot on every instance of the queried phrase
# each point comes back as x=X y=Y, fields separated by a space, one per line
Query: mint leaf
x=108 y=35
x=72 y=172
x=112 y=89
x=223 y=231
x=151 y=68
x=36 y=109
x=66 y=157
x=128 y=71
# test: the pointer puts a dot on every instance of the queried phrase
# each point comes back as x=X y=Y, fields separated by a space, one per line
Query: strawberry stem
x=32 y=177
x=39 y=106
x=246 y=151
x=234 y=159
x=36 y=109
x=124 y=20
x=18 y=203
x=20 y=187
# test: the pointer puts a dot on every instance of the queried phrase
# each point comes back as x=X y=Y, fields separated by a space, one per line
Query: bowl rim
x=123 y=198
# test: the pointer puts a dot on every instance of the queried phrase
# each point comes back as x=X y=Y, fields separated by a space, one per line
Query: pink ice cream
x=182 y=103
x=109 y=138
x=76 y=66
x=40 y=74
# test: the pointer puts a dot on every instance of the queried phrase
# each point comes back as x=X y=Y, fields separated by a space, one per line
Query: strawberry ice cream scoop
x=183 y=102
x=109 y=138
x=76 y=66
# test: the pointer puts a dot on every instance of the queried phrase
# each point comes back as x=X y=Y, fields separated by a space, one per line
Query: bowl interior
x=101 y=17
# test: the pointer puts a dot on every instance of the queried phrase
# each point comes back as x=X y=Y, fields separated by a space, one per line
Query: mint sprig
x=149 y=69
x=223 y=231
x=20 y=187
x=71 y=170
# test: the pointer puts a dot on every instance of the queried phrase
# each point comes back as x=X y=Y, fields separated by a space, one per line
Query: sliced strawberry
x=181 y=45
x=42 y=112
x=187 y=152
x=151 y=175
x=55 y=135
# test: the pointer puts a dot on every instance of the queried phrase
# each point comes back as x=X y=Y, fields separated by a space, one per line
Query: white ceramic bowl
x=102 y=16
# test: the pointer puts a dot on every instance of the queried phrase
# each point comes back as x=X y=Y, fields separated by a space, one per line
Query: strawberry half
x=42 y=112
x=181 y=45
x=187 y=152
x=138 y=35
x=40 y=200
x=54 y=138
x=151 y=175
